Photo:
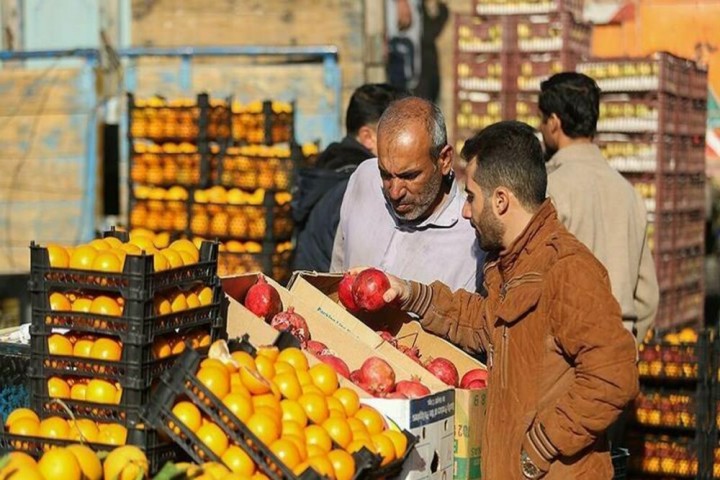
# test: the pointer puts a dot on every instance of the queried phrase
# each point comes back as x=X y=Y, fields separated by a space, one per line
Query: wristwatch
x=529 y=469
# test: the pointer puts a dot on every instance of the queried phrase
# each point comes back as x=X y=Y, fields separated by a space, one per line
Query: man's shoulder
x=565 y=253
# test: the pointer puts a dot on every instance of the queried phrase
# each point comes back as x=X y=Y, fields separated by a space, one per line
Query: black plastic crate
x=158 y=452
x=181 y=382
x=170 y=164
x=253 y=167
x=267 y=221
x=138 y=281
x=268 y=124
x=274 y=264
x=168 y=121
x=620 y=458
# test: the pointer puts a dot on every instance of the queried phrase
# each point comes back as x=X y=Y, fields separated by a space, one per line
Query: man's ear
x=367 y=138
x=501 y=201
x=555 y=124
x=446 y=159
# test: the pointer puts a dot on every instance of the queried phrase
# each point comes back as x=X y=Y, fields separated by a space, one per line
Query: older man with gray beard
x=402 y=212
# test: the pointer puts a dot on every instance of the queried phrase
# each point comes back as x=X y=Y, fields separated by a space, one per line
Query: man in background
x=403 y=212
x=316 y=203
x=595 y=202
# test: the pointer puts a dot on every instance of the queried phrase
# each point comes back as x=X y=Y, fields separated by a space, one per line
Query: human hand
x=404 y=14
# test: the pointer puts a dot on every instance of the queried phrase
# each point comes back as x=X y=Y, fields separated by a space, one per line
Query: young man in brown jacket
x=595 y=202
x=562 y=367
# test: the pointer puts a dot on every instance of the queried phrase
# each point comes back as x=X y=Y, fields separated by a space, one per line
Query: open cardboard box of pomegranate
x=320 y=291
x=430 y=418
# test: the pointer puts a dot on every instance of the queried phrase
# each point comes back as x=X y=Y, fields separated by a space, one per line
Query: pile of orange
x=25 y=422
x=95 y=390
x=300 y=412
x=180 y=300
x=108 y=254
x=103 y=304
x=175 y=344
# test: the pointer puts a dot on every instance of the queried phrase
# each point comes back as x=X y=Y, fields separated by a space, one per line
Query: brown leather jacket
x=562 y=367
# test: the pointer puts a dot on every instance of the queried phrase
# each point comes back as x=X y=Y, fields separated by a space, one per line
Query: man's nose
x=397 y=189
x=466 y=213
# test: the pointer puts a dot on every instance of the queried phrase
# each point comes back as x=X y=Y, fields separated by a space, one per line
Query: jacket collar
x=529 y=238
x=577 y=152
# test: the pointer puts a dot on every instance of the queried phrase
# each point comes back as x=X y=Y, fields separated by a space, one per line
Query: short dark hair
x=368 y=103
x=575 y=99
x=509 y=154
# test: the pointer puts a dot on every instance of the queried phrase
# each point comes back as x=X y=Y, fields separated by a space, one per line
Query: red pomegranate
x=412 y=388
x=263 y=300
x=317 y=348
x=444 y=369
x=388 y=337
x=474 y=379
x=357 y=379
x=337 y=363
x=292 y=322
x=345 y=294
x=412 y=352
x=378 y=375
x=368 y=289
x=395 y=394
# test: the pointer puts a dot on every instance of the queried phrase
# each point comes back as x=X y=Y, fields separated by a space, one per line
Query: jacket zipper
x=504 y=358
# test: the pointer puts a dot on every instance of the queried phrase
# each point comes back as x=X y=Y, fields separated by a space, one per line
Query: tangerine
x=106 y=349
x=343 y=464
x=184 y=245
x=324 y=377
x=215 y=379
x=188 y=414
x=213 y=437
x=100 y=244
x=293 y=411
x=78 y=392
x=399 y=441
x=315 y=407
x=238 y=461
x=173 y=258
x=384 y=447
x=240 y=405
x=59 y=257
x=264 y=427
x=254 y=382
x=26 y=426
x=59 y=345
x=178 y=303
x=112 y=434
x=269 y=351
x=192 y=300
x=205 y=295
x=103 y=305
x=82 y=257
x=82 y=305
x=339 y=430
x=295 y=357
x=322 y=465
x=90 y=465
x=316 y=435
x=54 y=427
x=58 y=388
x=107 y=262
x=161 y=348
x=162 y=305
x=83 y=347
x=60 y=464
x=59 y=303
x=372 y=419
x=19 y=413
x=126 y=463
x=84 y=430
x=101 y=391
x=287 y=452
x=284 y=367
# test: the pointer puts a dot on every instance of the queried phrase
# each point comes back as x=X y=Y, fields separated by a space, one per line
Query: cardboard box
x=430 y=418
x=321 y=291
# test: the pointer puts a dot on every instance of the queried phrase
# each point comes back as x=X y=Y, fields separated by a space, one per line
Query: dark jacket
x=317 y=199
x=562 y=367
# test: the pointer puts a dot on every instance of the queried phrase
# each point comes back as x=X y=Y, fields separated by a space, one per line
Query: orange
x=82 y=257
x=265 y=367
x=192 y=300
x=339 y=431
x=54 y=427
x=187 y=258
x=113 y=434
x=107 y=262
x=101 y=391
x=58 y=388
x=304 y=378
x=264 y=427
x=106 y=349
x=374 y=422
x=18 y=459
x=385 y=448
x=236 y=385
x=131 y=249
x=215 y=379
x=316 y=435
x=267 y=400
x=336 y=408
x=187 y=246
x=60 y=464
x=89 y=462
x=299 y=443
x=324 y=377
x=238 y=461
x=113 y=242
x=162 y=305
x=160 y=263
x=143 y=243
x=82 y=305
x=294 y=412
x=310 y=388
x=178 y=303
x=300 y=469
x=205 y=295
x=19 y=413
x=295 y=357
x=173 y=258
x=322 y=465
x=100 y=244
x=205 y=340
x=188 y=414
x=283 y=367
x=291 y=427
x=161 y=348
x=214 y=470
x=268 y=351
x=343 y=464
x=287 y=452
x=399 y=441
x=276 y=415
x=213 y=437
x=254 y=382
x=23 y=472
x=59 y=257
x=59 y=345
x=83 y=347
x=126 y=463
x=213 y=362
x=357 y=445
x=78 y=392
x=178 y=346
x=104 y=305
x=84 y=430
x=315 y=407
x=59 y=303
x=26 y=426
x=240 y=405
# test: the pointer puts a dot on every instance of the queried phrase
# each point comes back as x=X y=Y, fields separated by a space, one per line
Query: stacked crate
x=652 y=130
x=504 y=51
x=100 y=341
x=227 y=176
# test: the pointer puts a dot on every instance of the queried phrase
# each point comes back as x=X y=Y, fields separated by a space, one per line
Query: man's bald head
x=407 y=114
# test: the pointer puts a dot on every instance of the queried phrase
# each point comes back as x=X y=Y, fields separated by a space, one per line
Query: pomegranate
x=292 y=322
x=378 y=375
x=337 y=363
x=412 y=352
x=317 y=348
x=444 y=369
x=368 y=289
x=474 y=379
x=412 y=389
x=357 y=379
x=388 y=337
x=345 y=294
x=395 y=394
x=263 y=300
